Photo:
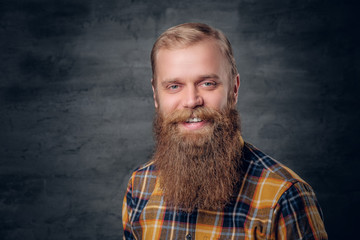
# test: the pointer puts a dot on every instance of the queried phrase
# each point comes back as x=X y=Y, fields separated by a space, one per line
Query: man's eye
x=173 y=87
x=209 y=84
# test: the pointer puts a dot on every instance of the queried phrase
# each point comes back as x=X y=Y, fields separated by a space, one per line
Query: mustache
x=182 y=115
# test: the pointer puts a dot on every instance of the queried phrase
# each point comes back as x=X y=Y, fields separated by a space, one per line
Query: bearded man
x=204 y=181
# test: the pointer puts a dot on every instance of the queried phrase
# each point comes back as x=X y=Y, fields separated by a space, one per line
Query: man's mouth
x=194 y=120
x=194 y=123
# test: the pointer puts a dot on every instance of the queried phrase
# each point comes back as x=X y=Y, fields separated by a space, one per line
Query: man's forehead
x=207 y=52
x=179 y=45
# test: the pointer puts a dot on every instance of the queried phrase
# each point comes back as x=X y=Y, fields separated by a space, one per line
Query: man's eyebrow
x=169 y=81
x=203 y=77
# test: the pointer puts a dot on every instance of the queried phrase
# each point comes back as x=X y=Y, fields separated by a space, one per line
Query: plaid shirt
x=273 y=203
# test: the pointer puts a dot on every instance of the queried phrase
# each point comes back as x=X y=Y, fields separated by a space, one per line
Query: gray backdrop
x=76 y=104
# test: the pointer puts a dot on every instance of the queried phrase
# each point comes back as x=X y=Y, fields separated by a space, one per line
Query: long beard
x=198 y=169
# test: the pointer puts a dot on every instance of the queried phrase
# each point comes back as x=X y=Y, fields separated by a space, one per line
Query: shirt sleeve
x=298 y=215
x=127 y=209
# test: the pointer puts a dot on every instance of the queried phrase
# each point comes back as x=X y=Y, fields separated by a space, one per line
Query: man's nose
x=192 y=98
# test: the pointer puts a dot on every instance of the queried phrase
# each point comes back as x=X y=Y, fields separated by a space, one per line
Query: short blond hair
x=188 y=34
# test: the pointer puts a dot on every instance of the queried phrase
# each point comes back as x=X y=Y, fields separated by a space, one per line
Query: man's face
x=197 y=132
x=191 y=77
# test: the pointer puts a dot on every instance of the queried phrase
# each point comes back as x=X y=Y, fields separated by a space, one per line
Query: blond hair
x=188 y=34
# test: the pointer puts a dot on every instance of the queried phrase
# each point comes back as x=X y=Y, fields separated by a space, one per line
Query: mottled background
x=76 y=104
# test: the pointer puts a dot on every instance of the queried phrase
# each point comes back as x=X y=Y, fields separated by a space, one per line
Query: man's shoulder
x=260 y=165
x=144 y=174
x=148 y=167
x=144 y=171
x=266 y=180
x=271 y=187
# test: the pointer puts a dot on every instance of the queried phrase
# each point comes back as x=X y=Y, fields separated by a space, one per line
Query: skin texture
x=191 y=77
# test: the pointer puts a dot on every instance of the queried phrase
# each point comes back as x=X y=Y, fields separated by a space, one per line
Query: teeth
x=193 y=120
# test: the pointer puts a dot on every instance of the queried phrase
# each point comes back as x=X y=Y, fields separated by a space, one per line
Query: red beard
x=198 y=169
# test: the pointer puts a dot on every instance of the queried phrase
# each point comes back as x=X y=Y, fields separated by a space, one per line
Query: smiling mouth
x=194 y=120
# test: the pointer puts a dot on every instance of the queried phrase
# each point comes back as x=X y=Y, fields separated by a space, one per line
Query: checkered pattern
x=273 y=203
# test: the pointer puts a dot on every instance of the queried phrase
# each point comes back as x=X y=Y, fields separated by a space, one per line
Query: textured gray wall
x=76 y=104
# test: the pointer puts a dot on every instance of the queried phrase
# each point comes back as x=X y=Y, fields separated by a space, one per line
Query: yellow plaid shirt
x=273 y=203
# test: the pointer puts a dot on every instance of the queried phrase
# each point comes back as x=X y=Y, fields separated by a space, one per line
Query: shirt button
x=188 y=237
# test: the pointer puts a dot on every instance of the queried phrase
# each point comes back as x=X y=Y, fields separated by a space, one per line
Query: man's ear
x=236 y=88
x=154 y=93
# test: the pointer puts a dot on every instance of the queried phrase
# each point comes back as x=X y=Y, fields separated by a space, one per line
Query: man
x=204 y=181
